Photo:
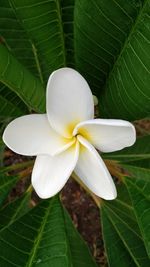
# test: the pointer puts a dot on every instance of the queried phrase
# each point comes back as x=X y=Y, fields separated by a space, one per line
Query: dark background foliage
x=108 y=43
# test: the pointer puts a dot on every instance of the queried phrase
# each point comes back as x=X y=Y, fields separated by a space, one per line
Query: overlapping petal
x=107 y=135
x=92 y=171
x=32 y=135
x=51 y=173
x=69 y=100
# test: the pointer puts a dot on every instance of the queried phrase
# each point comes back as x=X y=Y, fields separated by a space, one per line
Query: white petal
x=32 y=135
x=69 y=100
x=51 y=173
x=107 y=135
x=92 y=171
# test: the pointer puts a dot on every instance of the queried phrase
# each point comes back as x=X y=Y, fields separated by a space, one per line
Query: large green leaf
x=138 y=168
x=21 y=81
x=140 y=195
x=79 y=251
x=41 y=46
x=140 y=150
x=15 y=38
x=67 y=11
x=101 y=28
x=6 y=184
x=42 y=22
x=11 y=34
x=49 y=36
x=2 y=148
x=116 y=251
x=10 y=104
x=112 y=51
x=41 y=238
x=122 y=236
x=14 y=210
x=140 y=172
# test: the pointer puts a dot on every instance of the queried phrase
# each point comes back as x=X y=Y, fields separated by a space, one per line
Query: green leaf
x=112 y=52
x=139 y=169
x=122 y=236
x=16 y=40
x=41 y=237
x=21 y=81
x=67 y=13
x=12 y=33
x=44 y=35
x=6 y=184
x=14 y=210
x=116 y=252
x=138 y=172
x=135 y=159
x=79 y=251
x=42 y=21
x=2 y=148
x=42 y=46
x=10 y=105
x=140 y=150
x=140 y=195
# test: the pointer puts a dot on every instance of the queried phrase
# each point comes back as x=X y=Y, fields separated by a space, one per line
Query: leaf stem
x=17 y=166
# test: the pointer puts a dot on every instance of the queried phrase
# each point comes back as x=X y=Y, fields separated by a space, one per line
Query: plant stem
x=17 y=166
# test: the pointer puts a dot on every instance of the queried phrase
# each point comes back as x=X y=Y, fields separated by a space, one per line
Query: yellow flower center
x=81 y=131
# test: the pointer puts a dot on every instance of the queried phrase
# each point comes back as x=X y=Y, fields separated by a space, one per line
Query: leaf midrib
x=138 y=189
x=32 y=44
x=123 y=241
x=145 y=239
x=13 y=218
x=61 y=30
x=136 y=168
x=38 y=238
x=8 y=183
x=124 y=223
x=119 y=237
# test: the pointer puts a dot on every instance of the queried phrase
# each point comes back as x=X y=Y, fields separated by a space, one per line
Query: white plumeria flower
x=66 y=138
